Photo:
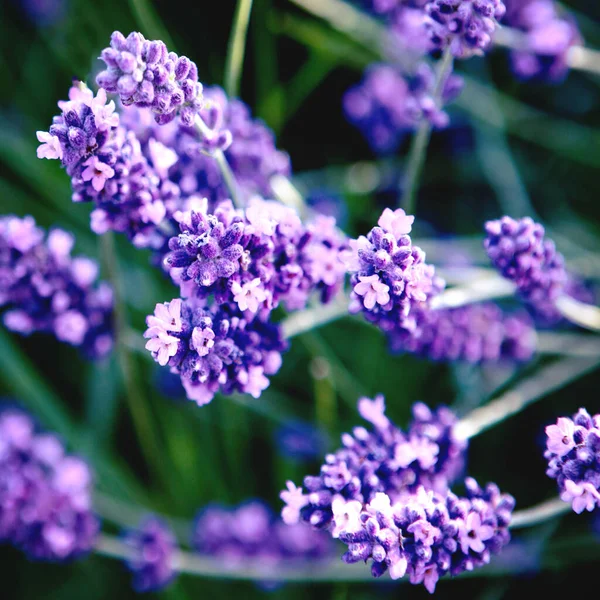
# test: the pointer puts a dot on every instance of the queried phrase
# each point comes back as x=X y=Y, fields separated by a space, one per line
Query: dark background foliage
x=296 y=71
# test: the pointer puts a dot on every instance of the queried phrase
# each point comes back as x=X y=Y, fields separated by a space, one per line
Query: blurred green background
x=512 y=148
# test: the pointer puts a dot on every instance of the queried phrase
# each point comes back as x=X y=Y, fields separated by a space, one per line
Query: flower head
x=573 y=454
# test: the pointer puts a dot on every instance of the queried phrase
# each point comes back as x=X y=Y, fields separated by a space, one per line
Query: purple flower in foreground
x=45 y=494
x=214 y=348
x=43 y=288
x=573 y=454
x=428 y=535
x=145 y=73
x=256 y=258
x=384 y=460
x=153 y=548
x=390 y=278
x=518 y=250
x=466 y=26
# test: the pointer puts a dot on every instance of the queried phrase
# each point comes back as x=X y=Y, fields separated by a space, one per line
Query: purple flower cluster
x=45 y=289
x=385 y=460
x=251 y=532
x=214 y=348
x=146 y=74
x=388 y=104
x=108 y=166
x=427 y=535
x=465 y=26
x=390 y=279
x=256 y=258
x=518 y=250
x=573 y=454
x=476 y=333
x=547 y=39
x=45 y=494
x=153 y=548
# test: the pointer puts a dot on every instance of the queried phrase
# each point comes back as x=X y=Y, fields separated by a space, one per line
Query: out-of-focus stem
x=579 y=313
x=236 y=48
x=142 y=422
x=548 y=379
x=311 y=318
x=477 y=291
x=539 y=514
x=219 y=156
x=418 y=149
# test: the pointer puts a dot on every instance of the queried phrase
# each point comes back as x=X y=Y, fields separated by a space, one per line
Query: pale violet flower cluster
x=257 y=257
x=386 y=496
x=145 y=73
x=45 y=493
x=465 y=26
x=384 y=460
x=427 y=535
x=214 y=348
x=43 y=288
x=388 y=104
x=389 y=276
x=153 y=548
x=573 y=454
x=547 y=37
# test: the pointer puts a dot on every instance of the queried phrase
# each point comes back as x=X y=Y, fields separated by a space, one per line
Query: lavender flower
x=251 y=532
x=385 y=460
x=214 y=348
x=466 y=26
x=390 y=278
x=388 y=104
x=573 y=454
x=45 y=289
x=45 y=494
x=256 y=258
x=476 y=333
x=127 y=182
x=547 y=39
x=153 y=546
x=144 y=73
x=520 y=252
x=428 y=535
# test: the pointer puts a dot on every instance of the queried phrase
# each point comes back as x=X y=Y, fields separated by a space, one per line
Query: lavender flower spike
x=466 y=26
x=146 y=74
x=518 y=250
x=214 y=348
x=154 y=548
x=390 y=278
x=45 y=494
x=389 y=104
x=573 y=453
x=251 y=532
x=385 y=460
x=428 y=535
x=45 y=289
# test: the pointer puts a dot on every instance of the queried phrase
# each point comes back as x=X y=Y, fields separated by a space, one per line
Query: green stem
x=418 y=149
x=236 y=48
x=142 y=421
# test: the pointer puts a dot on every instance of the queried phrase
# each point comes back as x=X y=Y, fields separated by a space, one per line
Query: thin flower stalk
x=548 y=379
x=237 y=46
